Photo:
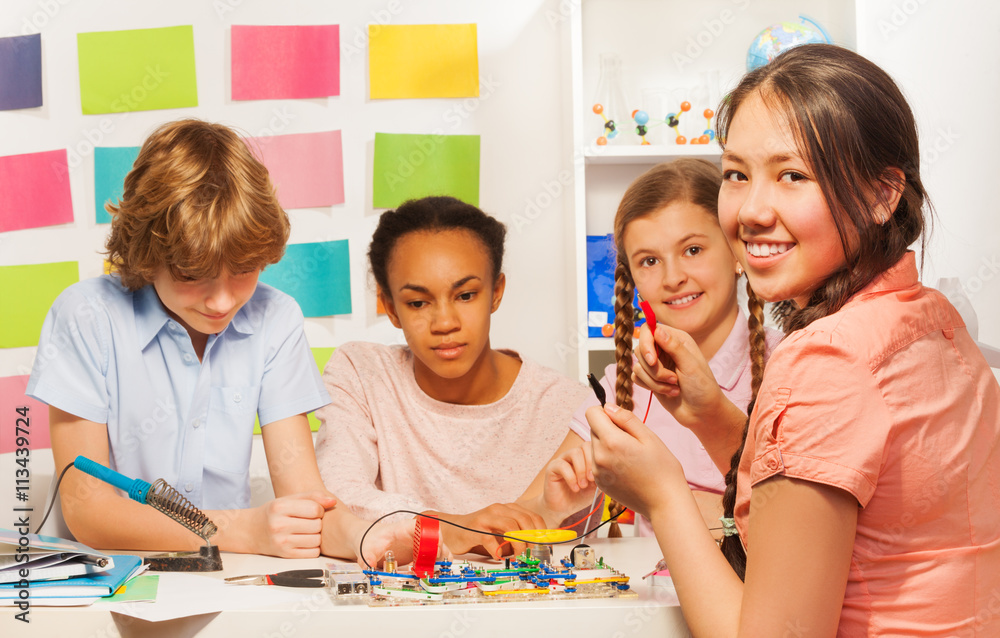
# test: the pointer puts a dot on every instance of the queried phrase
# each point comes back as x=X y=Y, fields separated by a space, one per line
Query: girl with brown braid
x=671 y=249
x=864 y=489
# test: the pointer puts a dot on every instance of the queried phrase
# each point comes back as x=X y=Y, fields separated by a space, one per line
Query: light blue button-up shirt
x=116 y=357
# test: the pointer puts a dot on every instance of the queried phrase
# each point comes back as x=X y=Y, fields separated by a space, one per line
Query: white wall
x=517 y=115
x=945 y=57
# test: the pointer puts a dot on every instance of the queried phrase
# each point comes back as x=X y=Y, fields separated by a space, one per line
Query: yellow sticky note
x=423 y=60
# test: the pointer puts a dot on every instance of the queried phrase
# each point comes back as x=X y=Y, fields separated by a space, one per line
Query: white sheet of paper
x=180 y=595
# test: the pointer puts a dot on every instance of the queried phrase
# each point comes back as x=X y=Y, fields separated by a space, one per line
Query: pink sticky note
x=34 y=190
x=287 y=62
x=36 y=430
x=307 y=169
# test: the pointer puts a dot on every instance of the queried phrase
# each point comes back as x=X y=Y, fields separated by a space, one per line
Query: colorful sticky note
x=307 y=169
x=28 y=293
x=37 y=415
x=321 y=356
x=412 y=166
x=137 y=70
x=142 y=588
x=21 y=72
x=111 y=165
x=285 y=62
x=317 y=275
x=34 y=190
x=422 y=60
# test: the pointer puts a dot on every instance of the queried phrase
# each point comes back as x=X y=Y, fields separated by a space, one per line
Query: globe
x=781 y=37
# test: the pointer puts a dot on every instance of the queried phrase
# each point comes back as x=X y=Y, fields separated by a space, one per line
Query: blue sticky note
x=111 y=165
x=317 y=275
x=21 y=72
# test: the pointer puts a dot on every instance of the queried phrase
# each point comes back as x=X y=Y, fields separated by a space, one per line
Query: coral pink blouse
x=890 y=400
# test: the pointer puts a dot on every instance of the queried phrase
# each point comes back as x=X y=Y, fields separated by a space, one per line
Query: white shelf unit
x=663 y=45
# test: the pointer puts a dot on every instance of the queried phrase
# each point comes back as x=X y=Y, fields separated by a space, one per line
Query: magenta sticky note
x=34 y=190
x=285 y=62
x=307 y=169
x=24 y=417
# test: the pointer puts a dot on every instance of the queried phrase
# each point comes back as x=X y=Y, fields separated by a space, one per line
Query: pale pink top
x=385 y=445
x=731 y=367
x=890 y=400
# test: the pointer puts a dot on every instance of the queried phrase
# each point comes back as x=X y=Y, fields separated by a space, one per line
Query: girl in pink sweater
x=447 y=424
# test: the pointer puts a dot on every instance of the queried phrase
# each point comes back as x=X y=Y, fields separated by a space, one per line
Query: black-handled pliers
x=293 y=578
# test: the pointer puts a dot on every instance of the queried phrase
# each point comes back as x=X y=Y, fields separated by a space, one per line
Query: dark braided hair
x=855 y=129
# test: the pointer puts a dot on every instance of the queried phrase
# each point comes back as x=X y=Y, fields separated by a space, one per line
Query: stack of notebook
x=55 y=571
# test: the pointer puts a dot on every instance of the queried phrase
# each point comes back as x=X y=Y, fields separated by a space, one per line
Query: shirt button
x=772 y=464
x=237 y=397
x=189 y=487
x=188 y=358
x=196 y=423
x=174 y=326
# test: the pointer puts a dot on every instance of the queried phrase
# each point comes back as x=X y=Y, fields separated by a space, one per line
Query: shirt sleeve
x=347 y=444
x=820 y=417
x=291 y=383
x=71 y=365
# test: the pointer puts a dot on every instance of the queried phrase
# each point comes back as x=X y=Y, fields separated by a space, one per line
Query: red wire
x=600 y=503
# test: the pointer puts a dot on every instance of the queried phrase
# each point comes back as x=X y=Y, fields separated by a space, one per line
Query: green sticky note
x=320 y=356
x=28 y=293
x=137 y=70
x=140 y=588
x=413 y=166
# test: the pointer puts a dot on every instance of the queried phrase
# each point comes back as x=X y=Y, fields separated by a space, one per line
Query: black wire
x=361 y=544
x=55 y=494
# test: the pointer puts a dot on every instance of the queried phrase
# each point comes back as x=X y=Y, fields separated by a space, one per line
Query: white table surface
x=279 y=612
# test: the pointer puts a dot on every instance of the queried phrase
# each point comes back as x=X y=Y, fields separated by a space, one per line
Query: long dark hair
x=853 y=126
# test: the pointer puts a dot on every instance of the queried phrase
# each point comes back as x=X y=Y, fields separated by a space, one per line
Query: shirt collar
x=732 y=357
x=151 y=316
x=902 y=274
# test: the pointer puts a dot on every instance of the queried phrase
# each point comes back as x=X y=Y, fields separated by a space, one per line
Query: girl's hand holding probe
x=673 y=368
x=631 y=462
